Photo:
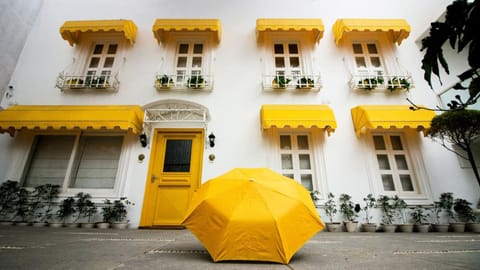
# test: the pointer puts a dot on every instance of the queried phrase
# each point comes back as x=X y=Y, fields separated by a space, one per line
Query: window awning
x=390 y=116
x=313 y=26
x=398 y=29
x=71 y=30
x=161 y=26
x=298 y=116
x=71 y=117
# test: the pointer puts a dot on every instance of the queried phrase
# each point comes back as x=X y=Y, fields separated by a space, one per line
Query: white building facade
x=149 y=99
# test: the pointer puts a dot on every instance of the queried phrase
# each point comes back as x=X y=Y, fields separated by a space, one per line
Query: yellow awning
x=186 y=25
x=390 y=116
x=71 y=117
x=71 y=30
x=313 y=26
x=398 y=29
x=297 y=116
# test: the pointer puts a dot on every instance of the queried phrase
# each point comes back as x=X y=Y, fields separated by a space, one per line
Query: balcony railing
x=390 y=82
x=103 y=82
x=297 y=82
x=176 y=82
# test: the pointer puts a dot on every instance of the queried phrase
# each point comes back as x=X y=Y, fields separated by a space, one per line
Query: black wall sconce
x=211 y=140
x=143 y=139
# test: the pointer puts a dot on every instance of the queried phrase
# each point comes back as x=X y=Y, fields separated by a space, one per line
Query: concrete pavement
x=67 y=248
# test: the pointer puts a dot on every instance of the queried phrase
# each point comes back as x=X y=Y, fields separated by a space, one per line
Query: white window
x=368 y=60
x=100 y=64
x=287 y=59
x=289 y=63
x=394 y=164
x=189 y=61
x=81 y=161
x=296 y=157
x=96 y=64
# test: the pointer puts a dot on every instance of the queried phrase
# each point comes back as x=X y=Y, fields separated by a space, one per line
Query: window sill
x=81 y=83
x=292 y=83
x=392 y=83
x=203 y=83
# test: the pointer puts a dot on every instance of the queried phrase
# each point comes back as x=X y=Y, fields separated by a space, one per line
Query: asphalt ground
x=75 y=248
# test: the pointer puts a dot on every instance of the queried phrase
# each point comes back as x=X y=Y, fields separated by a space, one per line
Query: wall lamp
x=143 y=139
x=211 y=139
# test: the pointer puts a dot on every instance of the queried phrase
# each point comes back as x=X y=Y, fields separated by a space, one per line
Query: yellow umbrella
x=252 y=214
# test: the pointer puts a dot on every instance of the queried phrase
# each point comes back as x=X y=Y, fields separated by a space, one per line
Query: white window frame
x=168 y=65
x=412 y=148
x=306 y=57
x=85 y=49
x=317 y=159
x=369 y=68
x=386 y=51
x=28 y=138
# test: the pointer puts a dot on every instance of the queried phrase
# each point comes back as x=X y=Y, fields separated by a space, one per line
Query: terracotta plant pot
x=389 y=228
x=473 y=227
x=422 y=228
x=458 y=227
x=334 y=226
x=440 y=227
x=102 y=225
x=369 y=227
x=351 y=226
x=408 y=228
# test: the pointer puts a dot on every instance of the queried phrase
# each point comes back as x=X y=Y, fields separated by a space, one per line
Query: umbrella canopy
x=252 y=214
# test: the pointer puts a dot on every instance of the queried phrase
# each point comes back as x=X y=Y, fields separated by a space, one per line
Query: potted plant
x=114 y=214
x=119 y=213
x=437 y=225
x=67 y=209
x=446 y=203
x=86 y=208
x=369 y=205
x=420 y=218
x=164 y=82
x=387 y=205
x=38 y=203
x=464 y=212
x=398 y=83
x=347 y=208
x=305 y=83
x=315 y=195
x=369 y=83
x=196 y=82
x=401 y=209
x=280 y=82
x=330 y=211
x=49 y=195
x=106 y=215
x=8 y=194
x=22 y=206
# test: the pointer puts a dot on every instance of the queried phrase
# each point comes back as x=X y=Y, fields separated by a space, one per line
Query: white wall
x=234 y=105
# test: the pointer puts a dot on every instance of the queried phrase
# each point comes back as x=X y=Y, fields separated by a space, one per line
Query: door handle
x=153 y=178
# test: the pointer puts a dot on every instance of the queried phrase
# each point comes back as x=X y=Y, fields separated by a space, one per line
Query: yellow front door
x=174 y=174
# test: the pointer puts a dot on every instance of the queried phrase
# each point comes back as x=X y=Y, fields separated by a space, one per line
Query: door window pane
x=401 y=162
x=285 y=142
x=302 y=142
x=304 y=162
x=294 y=62
x=293 y=48
x=98 y=49
x=94 y=62
x=406 y=182
x=96 y=162
x=287 y=162
x=383 y=163
x=108 y=62
x=396 y=142
x=278 y=48
x=375 y=62
x=387 y=180
x=372 y=48
x=198 y=48
x=357 y=48
x=49 y=161
x=177 y=156
x=360 y=62
x=183 y=48
x=379 y=143
x=306 y=180
x=197 y=62
x=112 y=49
x=182 y=62
x=279 y=62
